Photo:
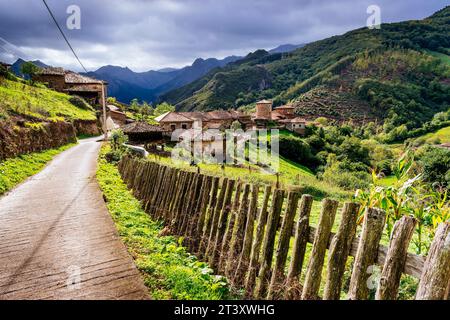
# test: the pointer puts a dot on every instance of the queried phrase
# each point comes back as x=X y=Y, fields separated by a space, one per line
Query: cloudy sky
x=153 y=34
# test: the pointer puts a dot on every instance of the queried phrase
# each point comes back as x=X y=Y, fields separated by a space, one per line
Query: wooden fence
x=257 y=236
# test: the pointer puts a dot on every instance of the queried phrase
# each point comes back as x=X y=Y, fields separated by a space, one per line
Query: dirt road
x=57 y=239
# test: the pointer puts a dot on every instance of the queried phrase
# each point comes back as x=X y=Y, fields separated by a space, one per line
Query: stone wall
x=87 y=127
x=19 y=137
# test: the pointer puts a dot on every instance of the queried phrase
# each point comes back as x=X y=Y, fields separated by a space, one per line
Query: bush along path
x=169 y=271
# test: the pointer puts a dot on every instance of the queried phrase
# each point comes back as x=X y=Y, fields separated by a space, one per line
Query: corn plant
x=407 y=196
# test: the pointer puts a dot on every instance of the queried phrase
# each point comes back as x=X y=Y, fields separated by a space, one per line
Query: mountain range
x=399 y=72
x=125 y=84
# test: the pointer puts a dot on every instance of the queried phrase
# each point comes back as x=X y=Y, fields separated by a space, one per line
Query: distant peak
x=198 y=61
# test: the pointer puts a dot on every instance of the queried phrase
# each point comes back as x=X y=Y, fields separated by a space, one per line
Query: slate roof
x=52 y=71
x=73 y=77
x=140 y=127
x=81 y=88
x=297 y=120
x=173 y=117
x=204 y=116
x=285 y=107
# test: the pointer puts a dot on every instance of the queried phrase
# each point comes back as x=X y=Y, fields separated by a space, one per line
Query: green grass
x=291 y=175
x=15 y=170
x=443 y=57
x=169 y=271
x=39 y=102
x=442 y=135
x=387 y=181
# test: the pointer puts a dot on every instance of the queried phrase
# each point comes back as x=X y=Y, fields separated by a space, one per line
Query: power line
x=64 y=36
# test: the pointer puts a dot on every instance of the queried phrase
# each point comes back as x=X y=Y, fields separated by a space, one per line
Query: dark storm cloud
x=158 y=33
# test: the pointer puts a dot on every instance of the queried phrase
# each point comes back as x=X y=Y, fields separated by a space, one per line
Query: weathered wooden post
x=244 y=257
x=202 y=213
x=299 y=248
x=221 y=225
x=229 y=229
x=237 y=236
x=283 y=245
x=191 y=233
x=367 y=253
x=190 y=207
x=436 y=272
x=256 y=246
x=208 y=217
x=395 y=259
x=215 y=219
x=268 y=243
x=315 y=265
x=339 y=250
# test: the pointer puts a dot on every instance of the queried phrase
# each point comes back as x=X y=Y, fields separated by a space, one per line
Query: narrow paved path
x=57 y=239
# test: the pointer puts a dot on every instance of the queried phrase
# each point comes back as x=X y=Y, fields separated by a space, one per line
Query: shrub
x=80 y=103
x=338 y=174
x=436 y=165
x=118 y=139
x=113 y=156
x=296 y=150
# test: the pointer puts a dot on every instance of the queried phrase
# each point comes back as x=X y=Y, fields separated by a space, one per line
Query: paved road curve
x=57 y=239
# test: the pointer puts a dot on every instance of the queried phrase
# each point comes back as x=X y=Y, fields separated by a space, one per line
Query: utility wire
x=64 y=36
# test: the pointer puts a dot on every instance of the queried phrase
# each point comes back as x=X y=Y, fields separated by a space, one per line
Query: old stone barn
x=72 y=83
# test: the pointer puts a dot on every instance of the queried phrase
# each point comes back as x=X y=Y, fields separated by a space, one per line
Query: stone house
x=297 y=125
x=72 y=83
x=171 y=121
x=219 y=119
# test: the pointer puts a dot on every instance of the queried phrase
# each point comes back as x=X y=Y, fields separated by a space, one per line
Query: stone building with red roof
x=218 y=119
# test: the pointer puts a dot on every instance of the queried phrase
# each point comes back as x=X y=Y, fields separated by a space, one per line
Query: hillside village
x=90 y=89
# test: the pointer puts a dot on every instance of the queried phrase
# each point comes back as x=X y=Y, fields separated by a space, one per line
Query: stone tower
x=264 y=109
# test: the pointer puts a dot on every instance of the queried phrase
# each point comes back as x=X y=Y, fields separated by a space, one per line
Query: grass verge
x=15 y=170
x=169 y=271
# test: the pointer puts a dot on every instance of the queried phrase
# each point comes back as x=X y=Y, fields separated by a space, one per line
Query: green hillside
x=399 y=72
x=40 y=103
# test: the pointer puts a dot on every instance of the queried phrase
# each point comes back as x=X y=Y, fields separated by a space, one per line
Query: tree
x=163 y=108
x=436 y=165
x=146 y=109
x=353 y=150
x=322 y=121
x=134 y=105
x=111 y=100
x=29 y=69
x=236 y=125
